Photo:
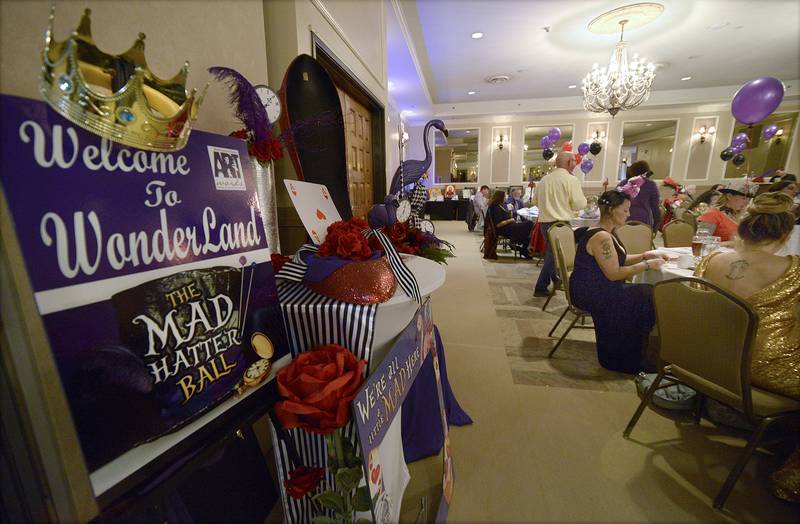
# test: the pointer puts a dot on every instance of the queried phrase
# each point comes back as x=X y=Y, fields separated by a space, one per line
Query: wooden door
x=358 y=132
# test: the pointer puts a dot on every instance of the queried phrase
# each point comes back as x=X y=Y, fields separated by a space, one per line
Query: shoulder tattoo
x=605 y=248
x=737 y=269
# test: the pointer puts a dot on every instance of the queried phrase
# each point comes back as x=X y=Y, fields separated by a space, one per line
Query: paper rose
x=303 y=480
x=318 y=386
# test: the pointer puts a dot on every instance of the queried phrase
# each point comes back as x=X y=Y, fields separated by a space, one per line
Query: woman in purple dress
x=644 y=207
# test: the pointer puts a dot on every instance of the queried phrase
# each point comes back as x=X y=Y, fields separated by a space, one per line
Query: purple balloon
x=583 y=149
x=545 y=142
x=769 y=131
x=740 y=138
x=757 y=99
x=738 y=148
x=554 y=134
x=587 y=165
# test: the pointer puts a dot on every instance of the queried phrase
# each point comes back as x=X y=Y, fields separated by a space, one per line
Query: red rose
x=242 y=133
x=408 y=249
x=319 y=385
x=397 y=233
x=350 y=245
x=346 y=240
x=276 y=149
x=303 y=480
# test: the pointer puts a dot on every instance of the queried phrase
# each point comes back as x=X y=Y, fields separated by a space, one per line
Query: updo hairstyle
x=767 y=219
x=610 y=200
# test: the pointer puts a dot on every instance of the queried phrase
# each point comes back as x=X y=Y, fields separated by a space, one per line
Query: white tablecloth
x=529 y=213
x=583 y=222
x=670 y=269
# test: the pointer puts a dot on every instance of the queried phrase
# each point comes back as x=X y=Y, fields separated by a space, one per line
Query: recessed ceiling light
x=470 y=92
x=571 y=86
x=693 y=57
x=685 y=78
x=648 y=124
x=468 y=131
x=477 y=35
x=717 y=26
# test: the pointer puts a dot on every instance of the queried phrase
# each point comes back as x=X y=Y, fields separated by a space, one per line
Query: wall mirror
x=457 y=156
x=651 y=141
x=764 y=157
x=534 y=166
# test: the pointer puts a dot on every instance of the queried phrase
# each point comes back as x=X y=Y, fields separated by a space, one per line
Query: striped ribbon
x=312 y=320
x=404 y=276
x=295 y=269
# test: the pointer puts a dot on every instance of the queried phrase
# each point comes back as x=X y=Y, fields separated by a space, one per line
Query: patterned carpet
x=525 y=326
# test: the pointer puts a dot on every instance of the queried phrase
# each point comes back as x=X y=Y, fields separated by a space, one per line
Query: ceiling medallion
x=622 y=85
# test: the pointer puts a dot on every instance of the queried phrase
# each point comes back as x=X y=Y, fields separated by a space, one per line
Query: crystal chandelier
x=622 y=85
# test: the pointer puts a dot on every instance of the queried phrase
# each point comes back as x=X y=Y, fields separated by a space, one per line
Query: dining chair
x=637 y=237
x=722 y=328
x=562 y=231
x=564 y=269
x=678 y=233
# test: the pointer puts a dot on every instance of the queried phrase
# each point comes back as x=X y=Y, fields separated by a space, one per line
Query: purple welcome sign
x=151 y=272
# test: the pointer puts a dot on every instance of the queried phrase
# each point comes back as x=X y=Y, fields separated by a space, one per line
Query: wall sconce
x=501 y=141
x=405 y=137
x=778 y=135
x=525 y=147
x=598 y=135
x=705 y=132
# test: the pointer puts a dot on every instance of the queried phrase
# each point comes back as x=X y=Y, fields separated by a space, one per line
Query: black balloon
x=727 y=154
x=548 y=154
x=738 y=160
x=595 y=148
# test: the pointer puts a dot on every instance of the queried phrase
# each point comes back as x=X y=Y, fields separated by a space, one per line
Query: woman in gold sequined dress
x=771 y=285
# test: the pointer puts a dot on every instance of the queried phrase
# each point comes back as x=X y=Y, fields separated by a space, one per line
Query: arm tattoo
x=736 y=270
x=606 y=249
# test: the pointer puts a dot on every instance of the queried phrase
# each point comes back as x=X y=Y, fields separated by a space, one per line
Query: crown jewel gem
x=65 y=84
x=125 y=116
x=116 y=96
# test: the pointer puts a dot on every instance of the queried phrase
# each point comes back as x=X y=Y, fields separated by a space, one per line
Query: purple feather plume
x=248 y=107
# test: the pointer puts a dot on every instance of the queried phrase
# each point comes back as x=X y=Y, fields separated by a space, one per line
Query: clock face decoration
x=404 y=211
x=271 y=102
x=257 y=372
x=426 y=226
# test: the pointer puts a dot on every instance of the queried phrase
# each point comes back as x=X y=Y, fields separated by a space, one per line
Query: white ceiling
x=756 y=38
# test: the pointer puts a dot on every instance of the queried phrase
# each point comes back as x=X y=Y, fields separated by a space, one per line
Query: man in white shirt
x=481 y=203
x=558 y=195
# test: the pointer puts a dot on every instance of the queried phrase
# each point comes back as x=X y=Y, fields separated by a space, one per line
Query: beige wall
x=176 y=31
x=607 y=162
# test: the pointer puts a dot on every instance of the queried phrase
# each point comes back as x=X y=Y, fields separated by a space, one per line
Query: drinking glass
x=697 y=245
x=710 y=245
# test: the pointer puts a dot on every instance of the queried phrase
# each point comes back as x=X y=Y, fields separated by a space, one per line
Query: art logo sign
x=151 y=282
x=226 y=167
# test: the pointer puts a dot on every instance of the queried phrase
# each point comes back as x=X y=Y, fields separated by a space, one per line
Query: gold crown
x=116 y=96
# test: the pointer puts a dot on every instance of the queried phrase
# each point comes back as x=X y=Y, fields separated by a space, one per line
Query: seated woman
x=518 y=232
x=771 y=285
x=709 y=198
x=623 y=313
x=725 y=215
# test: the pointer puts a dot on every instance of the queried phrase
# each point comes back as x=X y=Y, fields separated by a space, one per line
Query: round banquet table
x=792 y=247
x=395 y=314
x=670 y=269
x=583 y=222
x=529 y=213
